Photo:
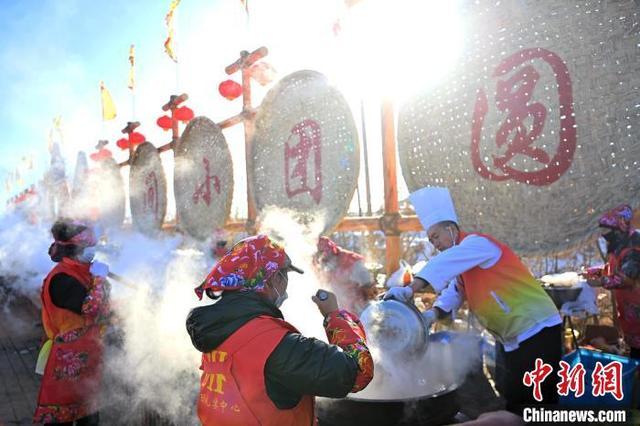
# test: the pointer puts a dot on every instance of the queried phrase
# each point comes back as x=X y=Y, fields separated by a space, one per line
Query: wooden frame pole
x=391 y=210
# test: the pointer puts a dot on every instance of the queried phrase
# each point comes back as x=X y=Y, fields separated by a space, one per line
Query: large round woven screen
x=203 y=178
x=536 y=131
x=106 y=198
x=148 y=189
x=305 y=149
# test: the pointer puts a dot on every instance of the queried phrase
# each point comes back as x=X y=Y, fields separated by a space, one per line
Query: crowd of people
x=264 y=371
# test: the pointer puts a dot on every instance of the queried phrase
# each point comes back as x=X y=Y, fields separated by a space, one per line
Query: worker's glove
x=99 y=269
x=404 y=294
x=430 y=316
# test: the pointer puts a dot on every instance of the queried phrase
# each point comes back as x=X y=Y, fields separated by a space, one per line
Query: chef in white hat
x=500 y=292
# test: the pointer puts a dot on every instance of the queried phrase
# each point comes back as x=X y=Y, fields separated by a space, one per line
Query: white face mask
x=451 y=234
x=87 y=254
x=280 y=299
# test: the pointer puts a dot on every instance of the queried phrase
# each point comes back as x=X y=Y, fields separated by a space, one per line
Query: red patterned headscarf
x=618 y=218
x=249 y=264
x=85 y=235
x=328 y=248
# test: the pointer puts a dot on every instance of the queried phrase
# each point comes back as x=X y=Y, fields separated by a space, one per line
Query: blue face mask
x=87 y=255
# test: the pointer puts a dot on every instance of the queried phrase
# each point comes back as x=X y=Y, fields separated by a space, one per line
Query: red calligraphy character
x=536 y=377
x=515 y=137
x=150 y=198
x=297 y=179
x=571 y=379
x=204 y=189
x=607 y=380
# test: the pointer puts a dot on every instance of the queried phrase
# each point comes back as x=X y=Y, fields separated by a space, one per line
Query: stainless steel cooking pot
x=395 y=327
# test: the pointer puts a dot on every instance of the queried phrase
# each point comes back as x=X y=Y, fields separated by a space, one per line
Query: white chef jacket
x=474 y=250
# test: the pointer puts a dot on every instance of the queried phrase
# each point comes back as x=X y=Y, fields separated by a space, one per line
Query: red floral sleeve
x=344 y=329
x=614 y=281
x=96 y=304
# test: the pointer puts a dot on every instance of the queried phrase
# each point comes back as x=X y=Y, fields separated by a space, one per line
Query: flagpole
x=133 y=105
x=132 y=80
x=102 y=121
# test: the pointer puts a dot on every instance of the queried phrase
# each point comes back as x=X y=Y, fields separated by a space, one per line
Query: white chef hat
x=433 y=205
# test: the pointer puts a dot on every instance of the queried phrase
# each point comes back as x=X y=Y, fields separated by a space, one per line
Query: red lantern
x=229 y=89
x=136 y=138
x=164 y=122
x=102 y=154
x=105 y=153
x=184 y=114
x=123 y=143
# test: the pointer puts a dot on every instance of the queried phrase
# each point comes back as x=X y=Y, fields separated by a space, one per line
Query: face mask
x=87 y=254
x=280 y=299
x=453 y=240
x=613 y=239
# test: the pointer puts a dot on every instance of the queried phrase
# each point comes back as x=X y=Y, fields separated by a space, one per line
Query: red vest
x=506 y=298
x=73 y=372
x=627 y=301
x=57 y=320
x=232 y=387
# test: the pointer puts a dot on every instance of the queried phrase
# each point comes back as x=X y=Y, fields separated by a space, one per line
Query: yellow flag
x=108 y=107
x=168 y=43
x=132 y=62
x=245 y=6
x=19 y=180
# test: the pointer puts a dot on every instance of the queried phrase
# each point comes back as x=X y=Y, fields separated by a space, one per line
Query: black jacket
x=298 y=365
x=630 y=263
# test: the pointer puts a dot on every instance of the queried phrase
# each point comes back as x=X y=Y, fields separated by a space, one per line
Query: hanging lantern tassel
x=184 y=114
x=164 y=122
x=263 y=73
x=136 y=138
x=123 y=143
x=230 y=90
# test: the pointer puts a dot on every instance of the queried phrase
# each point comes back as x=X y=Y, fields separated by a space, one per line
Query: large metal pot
x=562 y=288
x=395 y=327
x=561 y=295
x=435 y=409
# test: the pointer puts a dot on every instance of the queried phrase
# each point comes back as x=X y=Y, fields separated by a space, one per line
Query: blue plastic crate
x=589 y=359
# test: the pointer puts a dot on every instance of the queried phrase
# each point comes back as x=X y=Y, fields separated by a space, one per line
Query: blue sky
x=51 y=61
x=55 y=52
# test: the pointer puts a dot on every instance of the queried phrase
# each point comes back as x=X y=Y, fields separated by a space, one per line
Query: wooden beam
x=392 y=253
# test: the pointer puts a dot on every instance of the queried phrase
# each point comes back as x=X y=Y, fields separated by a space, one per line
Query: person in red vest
x=500 y=291
x=345 y=273
x=257 y=369
x=74 y=313
x=621 y=273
